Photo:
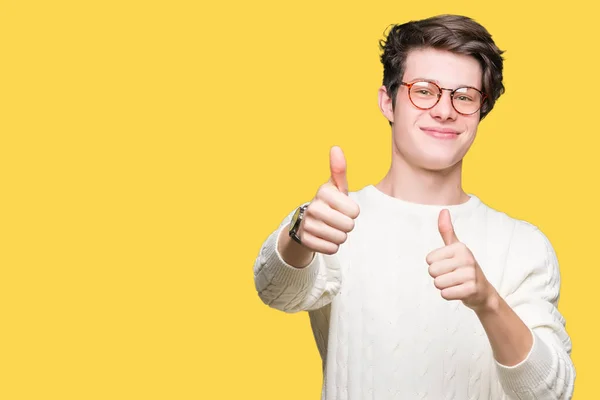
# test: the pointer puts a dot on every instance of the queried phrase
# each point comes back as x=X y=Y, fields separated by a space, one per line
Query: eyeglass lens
x=426 y=94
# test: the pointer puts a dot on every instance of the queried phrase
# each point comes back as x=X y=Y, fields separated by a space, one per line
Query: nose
x=444 y=110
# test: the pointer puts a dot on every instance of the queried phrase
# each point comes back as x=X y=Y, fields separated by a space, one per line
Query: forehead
x=448 y=69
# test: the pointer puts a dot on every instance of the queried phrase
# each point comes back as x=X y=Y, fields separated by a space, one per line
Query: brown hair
x=454 y=33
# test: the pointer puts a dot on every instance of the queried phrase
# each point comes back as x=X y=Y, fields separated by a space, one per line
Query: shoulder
x=518 y=232
x=526 y=249
x=518 y=229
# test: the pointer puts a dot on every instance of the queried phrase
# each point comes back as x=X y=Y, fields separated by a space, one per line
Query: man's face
x=437 y=138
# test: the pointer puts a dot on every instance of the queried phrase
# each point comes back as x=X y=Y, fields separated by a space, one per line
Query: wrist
x=491 y=303
x=293 y=253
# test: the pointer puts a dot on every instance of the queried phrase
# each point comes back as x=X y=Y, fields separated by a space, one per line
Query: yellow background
x=148 y=148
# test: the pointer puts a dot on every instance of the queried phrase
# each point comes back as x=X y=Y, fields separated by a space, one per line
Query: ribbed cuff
x=281 y=273
x=530 y=372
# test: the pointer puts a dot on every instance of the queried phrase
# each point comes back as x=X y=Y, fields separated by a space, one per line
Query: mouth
x=441 y=133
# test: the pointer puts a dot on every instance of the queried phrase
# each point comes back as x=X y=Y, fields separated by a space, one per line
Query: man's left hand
x=456 y=272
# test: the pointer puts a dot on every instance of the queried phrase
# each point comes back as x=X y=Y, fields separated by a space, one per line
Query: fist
x=331 y=213
x=455 y=271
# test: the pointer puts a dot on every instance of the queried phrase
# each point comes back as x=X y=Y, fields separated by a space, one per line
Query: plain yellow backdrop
x=148 y=148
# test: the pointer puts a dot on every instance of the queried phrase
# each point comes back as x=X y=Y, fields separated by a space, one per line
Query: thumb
x=446 y=228
x=337 y=166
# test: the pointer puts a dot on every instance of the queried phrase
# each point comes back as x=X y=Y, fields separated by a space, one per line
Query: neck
x=422 y=186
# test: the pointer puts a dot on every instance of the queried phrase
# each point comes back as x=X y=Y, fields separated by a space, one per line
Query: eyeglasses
x=425 y=95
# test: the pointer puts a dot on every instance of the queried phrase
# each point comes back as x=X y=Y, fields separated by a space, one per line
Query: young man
x=416 y=289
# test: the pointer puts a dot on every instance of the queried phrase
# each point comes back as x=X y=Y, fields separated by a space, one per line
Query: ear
x=385 y=104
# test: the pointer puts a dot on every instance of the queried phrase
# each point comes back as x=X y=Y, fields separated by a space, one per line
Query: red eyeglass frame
x=452 y=91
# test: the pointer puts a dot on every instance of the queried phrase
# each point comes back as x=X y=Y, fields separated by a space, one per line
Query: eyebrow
x=438 y=82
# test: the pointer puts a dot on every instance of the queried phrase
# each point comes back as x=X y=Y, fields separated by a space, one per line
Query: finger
x=454 y=278
x=317 y=244
x=445 y=266
x=459 y=292
x=322 y=212
x=338 y=201
x=442 y=253
x=446 y=229
x=323 y=231
x=457 y=250
x=337 y=166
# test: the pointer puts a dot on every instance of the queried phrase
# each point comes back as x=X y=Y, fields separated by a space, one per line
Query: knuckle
x=354 y=210
x=308 y=242
x=432 y=271
x=351 y=225
x=332 y=249
x=307 y=224
x=319 y=192
x=311 y=207
x=319 y=247
x=314 y=210
x=309 y=213
x=322 y=191
x=328 y=193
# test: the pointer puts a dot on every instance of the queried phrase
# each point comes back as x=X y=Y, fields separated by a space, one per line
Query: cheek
x=406 y=114
x=472 y=124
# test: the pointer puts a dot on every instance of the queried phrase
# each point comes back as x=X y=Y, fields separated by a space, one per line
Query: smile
x=441 y=133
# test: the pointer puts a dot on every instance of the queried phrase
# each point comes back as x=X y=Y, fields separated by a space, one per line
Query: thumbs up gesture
x=455 y=271
x=331 y=213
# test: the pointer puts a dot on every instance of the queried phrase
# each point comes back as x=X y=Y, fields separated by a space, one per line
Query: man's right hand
x=327 y=220
x=331 y=213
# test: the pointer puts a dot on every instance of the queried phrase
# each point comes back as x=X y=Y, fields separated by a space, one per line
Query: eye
x=423 y=92
x=463 y=98
x=467 y=95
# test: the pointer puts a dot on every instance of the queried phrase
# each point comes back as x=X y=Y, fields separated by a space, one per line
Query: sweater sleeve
x=532 y=287
x=290 y=289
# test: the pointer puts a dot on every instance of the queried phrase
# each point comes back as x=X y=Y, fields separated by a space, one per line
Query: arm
x=510 y=338
x=289 y=288
x=293 y=277
x=526 y=332
x=532 y=290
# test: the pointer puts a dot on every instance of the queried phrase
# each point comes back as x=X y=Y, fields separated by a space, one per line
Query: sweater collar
x=393 y=203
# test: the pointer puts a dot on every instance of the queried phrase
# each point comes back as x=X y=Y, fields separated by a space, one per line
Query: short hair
x=454 y=33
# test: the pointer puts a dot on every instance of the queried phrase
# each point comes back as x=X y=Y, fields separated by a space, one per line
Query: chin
x=437 y=164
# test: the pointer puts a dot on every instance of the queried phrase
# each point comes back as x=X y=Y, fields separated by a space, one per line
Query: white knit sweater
x=384 y=331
